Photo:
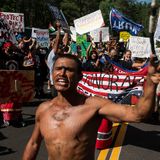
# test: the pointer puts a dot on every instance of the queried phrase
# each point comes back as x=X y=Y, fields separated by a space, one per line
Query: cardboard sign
x=157 y=31
x=43 y=38
x=100 y=34
x=16 y=85
x=6 y=33
x=89 y=22
x=15 y=20
x=140 y=46
x=124 y=36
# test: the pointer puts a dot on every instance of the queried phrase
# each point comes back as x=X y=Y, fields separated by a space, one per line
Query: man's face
x=65 y=75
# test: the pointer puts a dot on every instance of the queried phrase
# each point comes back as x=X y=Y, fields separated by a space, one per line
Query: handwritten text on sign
x=140 y=46
x=15 y=20
x=89 y=22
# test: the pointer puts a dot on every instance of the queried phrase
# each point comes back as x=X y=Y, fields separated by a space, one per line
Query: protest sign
x=158 y=53
x=140 y=46
x=124 y=36
x=58 y=15
x=34 y=30
x=100 y=34
x=6 y=33
x=81 y=41
x=89 y=22
x=157 y=31
x=42 y=38
x=15 y=20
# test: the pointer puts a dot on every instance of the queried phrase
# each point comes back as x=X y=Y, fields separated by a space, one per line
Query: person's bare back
x=67 y=130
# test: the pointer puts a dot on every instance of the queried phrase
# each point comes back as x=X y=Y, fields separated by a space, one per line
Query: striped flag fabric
x=120 y=87
x=116 y=87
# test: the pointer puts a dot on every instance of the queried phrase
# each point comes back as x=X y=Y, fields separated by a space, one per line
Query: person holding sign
x=69 y=122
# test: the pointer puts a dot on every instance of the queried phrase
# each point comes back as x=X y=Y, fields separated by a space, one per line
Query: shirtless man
x=69 y=122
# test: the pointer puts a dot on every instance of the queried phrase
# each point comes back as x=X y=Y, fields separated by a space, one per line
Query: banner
x=100 y=34
x=6 y=33
x=43 y=38
x=119 y=23
x=15 y=20
x=58 y=15
x=118 y=88
x=89 y=22
x=140 y=46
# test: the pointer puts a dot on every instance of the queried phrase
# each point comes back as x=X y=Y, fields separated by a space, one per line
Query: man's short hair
x=70 y=56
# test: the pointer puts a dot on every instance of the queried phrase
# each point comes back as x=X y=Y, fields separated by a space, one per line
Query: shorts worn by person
x=69 y=122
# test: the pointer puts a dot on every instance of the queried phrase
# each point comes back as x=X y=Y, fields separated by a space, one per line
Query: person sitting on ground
x=69 y=122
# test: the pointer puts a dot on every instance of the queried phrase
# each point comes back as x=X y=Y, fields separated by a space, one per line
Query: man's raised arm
x=144 y=107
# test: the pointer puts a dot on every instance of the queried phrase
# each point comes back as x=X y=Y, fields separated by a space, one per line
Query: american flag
x=118 y=86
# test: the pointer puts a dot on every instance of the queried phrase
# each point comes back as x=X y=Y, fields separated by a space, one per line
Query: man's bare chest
x=67 y=121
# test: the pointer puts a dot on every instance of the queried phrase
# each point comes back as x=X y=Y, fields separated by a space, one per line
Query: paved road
x=130 y=141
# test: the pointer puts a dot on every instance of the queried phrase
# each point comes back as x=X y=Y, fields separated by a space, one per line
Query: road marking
x=103 y=153
x=118 y=143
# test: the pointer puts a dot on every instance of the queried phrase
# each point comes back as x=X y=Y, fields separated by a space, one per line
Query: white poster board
x=140 y=46
x=34 y=30
x=100 y=32
x=6 y=33
x=15 y=20
x=158 y=52
x=157 y=31
x=42 y=38
x=89 y=22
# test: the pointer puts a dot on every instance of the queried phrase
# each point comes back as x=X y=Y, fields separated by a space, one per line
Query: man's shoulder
x=44 y=106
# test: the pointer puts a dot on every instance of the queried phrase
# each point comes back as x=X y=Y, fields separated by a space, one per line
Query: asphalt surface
x=133 y=141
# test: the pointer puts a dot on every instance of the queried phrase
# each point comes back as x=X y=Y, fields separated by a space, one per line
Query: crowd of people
x=62 y=68
x=68 y=123
x=28 y=55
